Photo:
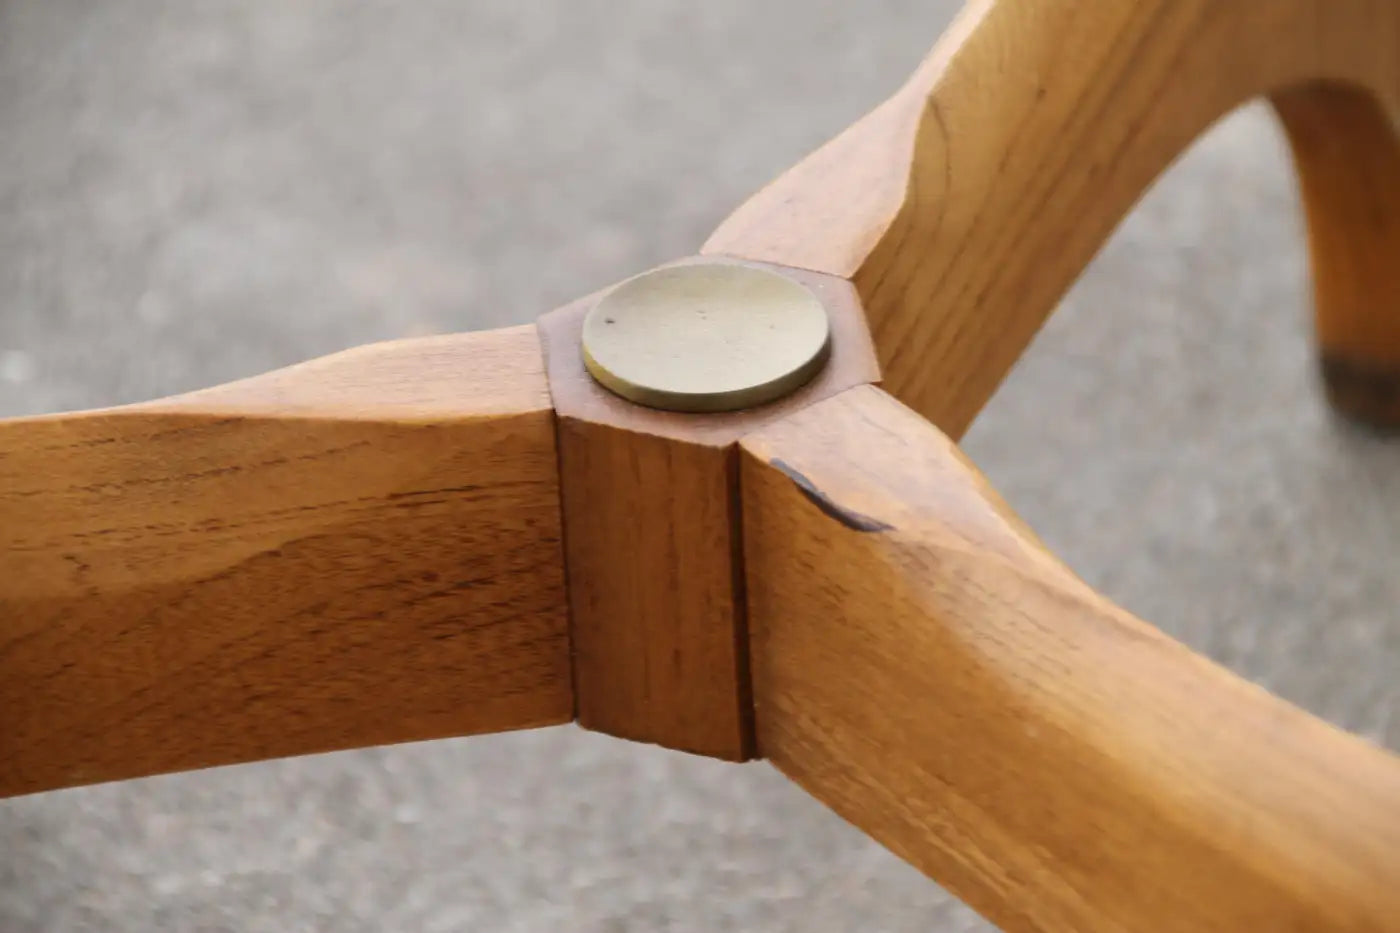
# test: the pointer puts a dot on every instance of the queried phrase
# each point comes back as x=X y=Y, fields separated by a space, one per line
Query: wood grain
x=965 y=205
x=651 y=529
x=359 y=550
x=927 y=669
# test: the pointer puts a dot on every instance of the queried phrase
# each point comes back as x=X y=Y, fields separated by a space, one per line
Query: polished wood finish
x=359 y=550
x=923 y=665
x=965 y=206
x=651 y=522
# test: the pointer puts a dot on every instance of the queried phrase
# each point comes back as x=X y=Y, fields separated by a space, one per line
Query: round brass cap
x=706 y=337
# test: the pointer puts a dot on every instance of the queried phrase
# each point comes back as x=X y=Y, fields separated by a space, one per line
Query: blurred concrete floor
x=196 y=191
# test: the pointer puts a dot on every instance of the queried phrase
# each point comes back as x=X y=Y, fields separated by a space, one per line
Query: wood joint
x=652 y=537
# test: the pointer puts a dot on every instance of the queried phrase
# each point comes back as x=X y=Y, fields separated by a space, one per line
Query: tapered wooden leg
x=1348 y=157
x=926 y=668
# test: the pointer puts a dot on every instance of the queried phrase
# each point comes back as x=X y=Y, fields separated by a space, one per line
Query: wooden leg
x=1348 y=161
x=925 y=667
x=966 y=205
x=359 y=550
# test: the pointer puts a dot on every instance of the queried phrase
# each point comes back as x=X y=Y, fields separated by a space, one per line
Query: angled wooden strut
x=923 y=665
x=358 y=550
x=964 y=206
x=372 y=547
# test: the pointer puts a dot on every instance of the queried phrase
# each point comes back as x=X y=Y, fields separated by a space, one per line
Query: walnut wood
x=965 y=205
x=926 y=668
x=359 y=550
x=651 y=529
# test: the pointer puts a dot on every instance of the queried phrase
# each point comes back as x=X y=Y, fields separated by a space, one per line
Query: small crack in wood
x=849 y=517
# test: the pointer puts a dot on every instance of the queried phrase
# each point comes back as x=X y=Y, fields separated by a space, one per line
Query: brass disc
x=706 y=337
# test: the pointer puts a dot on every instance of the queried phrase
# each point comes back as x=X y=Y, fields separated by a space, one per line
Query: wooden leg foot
x=1348 y=158
x=1365 y=391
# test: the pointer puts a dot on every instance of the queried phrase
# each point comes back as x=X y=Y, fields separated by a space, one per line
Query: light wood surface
x=651 y=521
x=965 y=205
x=359 y=550
x=369 y=548
x=927 y=669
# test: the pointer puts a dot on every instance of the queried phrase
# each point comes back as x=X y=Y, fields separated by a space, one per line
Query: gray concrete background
x=196 y=191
